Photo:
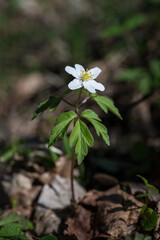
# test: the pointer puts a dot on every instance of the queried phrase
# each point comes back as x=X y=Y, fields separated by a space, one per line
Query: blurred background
x=39 y=38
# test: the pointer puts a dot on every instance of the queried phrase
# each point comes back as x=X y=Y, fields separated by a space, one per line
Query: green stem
x=85 y=100
x=77 y=104
x=146 y=198
x=73 y=153
x=72 y=178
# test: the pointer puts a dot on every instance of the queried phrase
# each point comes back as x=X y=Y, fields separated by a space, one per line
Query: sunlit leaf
x=81 y=138
x=106 y=103
x=93 y=118
x=51 y=103
x=63 y=122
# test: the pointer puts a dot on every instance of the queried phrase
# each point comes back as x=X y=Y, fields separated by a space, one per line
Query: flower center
x=86 y=76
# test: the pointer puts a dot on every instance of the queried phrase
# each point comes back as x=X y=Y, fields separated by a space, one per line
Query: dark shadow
x=116 y=198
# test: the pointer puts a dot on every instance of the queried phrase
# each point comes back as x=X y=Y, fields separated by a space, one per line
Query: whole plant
x=85 y=87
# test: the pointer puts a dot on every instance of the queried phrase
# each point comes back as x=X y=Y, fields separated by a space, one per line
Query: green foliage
x=130 y=74
x=12 y=232
x=138 y=236
x=149 y=218
x=19 y=221
x=81 y=137
x=12 y=226
x=12 y=149
x=93 y=118
x=139 y=75
x=77 y=41
x=145 y=79
x=106 y=103
x=150 y=189
x=51 y=103
x=128 y=25
x=49 y=237
x=14 y=203
x=9 y=152
x=53 y=156
x=63 y=122
x=154 y=67
x=67 y=147
x=10 y=218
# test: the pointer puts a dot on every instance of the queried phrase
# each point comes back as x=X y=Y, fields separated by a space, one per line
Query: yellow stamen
x=86 y=76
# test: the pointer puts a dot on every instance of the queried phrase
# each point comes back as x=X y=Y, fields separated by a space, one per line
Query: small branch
x=84 y=101
x=77 y=104
x=67 y=102
x=134 y=104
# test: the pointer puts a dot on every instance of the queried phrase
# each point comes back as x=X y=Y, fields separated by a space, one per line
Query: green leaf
x=145 y=195
x=128 y=25
x=144 y=85
x=8 y=153
x=139 y=75
x=51 y=103
x=54 y=157
x=66 y=145
x=138 y=236
x=155 y=66
x=93 y=118
x=10 y=218
x=149 y=218
x=106 y=103
x=135 y=21
x=63 y=122
x=130 y=74
x=81 y=137
x=49 y=237
x=14 y=218
x=149 y=186
x=12 y=232
x=89 y=114
x=143 y=179
x=25 y=224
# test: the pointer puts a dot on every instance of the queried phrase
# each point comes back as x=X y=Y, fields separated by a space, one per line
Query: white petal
x=71 y=71
x=89 y=86
x=79 y=68
x=95 y=72
x=97 y=85
x=75 y=84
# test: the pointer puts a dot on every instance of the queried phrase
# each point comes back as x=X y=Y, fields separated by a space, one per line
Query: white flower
x=84 y=78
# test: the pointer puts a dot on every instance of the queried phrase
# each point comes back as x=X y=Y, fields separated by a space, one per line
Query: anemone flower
x=84 y=78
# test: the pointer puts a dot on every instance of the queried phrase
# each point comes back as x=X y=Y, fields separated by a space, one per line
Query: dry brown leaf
x=113 y=212
x=80 y=226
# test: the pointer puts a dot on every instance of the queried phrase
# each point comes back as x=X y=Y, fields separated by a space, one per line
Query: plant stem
x=64 y=100
x=77 y=104
x=85 y=100
x=72 y=183
x=73 y=154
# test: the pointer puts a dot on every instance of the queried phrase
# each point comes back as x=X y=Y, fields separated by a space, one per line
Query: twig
x=84 y=101
x=64 y=100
